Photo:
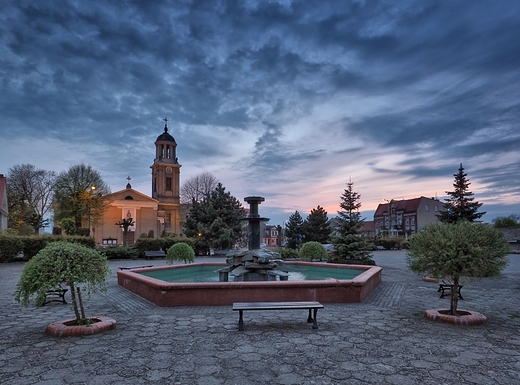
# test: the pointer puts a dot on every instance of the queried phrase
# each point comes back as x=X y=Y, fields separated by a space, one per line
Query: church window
x=168 y=183
x=168 y=220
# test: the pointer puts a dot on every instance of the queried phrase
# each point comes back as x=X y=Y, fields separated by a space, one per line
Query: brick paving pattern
x=384 y=340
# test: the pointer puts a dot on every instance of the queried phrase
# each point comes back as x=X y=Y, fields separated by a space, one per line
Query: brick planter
x=66 y=328
x=464 y=317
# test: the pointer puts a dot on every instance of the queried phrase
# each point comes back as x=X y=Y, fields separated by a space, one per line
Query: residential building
x=4 y=212
x=273 y=235
x=406 y=216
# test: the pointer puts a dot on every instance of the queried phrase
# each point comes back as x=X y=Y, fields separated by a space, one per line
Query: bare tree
x=198 y=187
x=31 y=193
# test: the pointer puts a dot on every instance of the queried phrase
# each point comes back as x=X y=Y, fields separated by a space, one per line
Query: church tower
x=166 y=181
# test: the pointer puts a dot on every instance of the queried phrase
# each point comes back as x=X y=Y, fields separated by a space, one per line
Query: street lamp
x=91 y=192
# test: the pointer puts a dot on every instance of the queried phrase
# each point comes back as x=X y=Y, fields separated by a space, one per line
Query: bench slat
x=276 y=305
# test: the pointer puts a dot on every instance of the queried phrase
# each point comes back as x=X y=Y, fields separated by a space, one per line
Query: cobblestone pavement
x=384 y=340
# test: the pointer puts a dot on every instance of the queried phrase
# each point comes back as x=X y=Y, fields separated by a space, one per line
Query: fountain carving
x=254 y=264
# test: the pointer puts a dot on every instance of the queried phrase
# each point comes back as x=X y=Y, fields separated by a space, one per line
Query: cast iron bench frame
x=242 y=306
x=133 y=267
x=154 y=254
x=448 y=288
x=55 y=295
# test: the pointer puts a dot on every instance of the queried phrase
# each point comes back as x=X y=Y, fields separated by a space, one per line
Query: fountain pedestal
x=254 y=264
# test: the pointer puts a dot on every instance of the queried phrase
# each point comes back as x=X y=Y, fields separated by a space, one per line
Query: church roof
x=165 y=136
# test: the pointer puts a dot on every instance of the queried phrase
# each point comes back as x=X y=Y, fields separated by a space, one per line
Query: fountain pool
x=337 y=283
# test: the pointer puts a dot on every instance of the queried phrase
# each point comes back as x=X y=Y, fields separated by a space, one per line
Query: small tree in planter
x=313 y=250
x=63 y=262
x=180 y=252
x=455 y=250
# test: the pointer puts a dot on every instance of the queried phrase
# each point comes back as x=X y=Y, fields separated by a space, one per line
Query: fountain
x=254 y=264
x=255 y=272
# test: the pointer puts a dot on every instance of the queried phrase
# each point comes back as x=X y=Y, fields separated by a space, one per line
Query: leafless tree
x=31 y=193
x=198 y=187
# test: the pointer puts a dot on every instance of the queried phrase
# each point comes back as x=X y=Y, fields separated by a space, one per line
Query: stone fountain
x=254 y=264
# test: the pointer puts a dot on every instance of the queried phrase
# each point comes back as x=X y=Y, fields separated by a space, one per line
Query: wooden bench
x=133 y=267
x=446 y=288
x=149 y=254
x=55 y=295
x=241 y=306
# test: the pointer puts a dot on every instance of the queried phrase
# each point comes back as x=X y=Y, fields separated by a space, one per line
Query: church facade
x=159 y=213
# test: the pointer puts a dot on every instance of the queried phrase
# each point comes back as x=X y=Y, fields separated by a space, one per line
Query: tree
x=216 y=221
x=316 y=226
x=61 y=262
x=80 y=194
x=30 y=194
x=349 y=244
x=294 y=231
x=125 y=223
x=180 y=252
x=460 y=206
x=313 y=250
x=452 y=251
x=196 y=188
x=511 y=221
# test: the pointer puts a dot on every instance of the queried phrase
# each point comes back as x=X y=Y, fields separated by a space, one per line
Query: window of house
x=168 y=183
x=407 y=223
x=109 y=241
x=413 y=222
x=436 y=208
x=427 y=207
x=168 y=220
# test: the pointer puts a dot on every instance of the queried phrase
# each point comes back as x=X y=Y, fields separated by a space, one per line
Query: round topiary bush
x=180 y=252
x=312 y=250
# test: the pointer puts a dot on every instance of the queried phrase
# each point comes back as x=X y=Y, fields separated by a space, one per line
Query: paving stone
x=384 y=340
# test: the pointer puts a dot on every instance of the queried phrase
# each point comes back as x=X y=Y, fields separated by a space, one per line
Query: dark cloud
x=435 y=82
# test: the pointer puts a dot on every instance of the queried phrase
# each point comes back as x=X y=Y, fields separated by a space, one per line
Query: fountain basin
x=166 y=294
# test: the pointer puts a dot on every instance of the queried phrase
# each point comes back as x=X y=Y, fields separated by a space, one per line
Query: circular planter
x=463 y=317
x=68 y=328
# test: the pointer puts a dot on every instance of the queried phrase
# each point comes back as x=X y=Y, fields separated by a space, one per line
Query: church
x=158 y=214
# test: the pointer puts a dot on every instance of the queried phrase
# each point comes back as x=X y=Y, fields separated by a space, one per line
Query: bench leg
x=240 y=320
x=313 y=319
x=315 y=323
x=309 y=320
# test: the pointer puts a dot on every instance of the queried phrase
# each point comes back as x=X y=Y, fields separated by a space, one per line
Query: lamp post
x=91 y=192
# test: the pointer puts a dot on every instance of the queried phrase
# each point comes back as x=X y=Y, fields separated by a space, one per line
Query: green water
x=205 y=273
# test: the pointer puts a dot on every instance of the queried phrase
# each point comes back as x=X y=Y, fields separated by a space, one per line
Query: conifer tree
x=293 y=231
x=349 y=243
x=317 y=226
x=460 y=205
x=216 y=221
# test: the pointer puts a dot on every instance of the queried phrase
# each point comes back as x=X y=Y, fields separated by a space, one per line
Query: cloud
x=288 y=99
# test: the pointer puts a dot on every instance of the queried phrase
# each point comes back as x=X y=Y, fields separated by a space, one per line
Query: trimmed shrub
x=287 y=254
x=313 y=250
x=149 y=244
x=180 y=252
x=120 y=252
x=10 y=247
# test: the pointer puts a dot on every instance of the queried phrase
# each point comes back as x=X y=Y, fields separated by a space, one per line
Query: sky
x=289 y=100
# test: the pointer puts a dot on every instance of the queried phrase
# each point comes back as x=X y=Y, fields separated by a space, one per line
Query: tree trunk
x=74 y=302
x=454 y=296
x=81 y=304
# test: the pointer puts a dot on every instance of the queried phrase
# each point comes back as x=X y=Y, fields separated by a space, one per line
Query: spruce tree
x=460 y=205
x=216 y=221
x=293 y=231
x=317 y=226
x=349 y=244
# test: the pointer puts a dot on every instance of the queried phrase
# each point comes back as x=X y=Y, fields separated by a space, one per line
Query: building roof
x=403 y=205
x=165 y=136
